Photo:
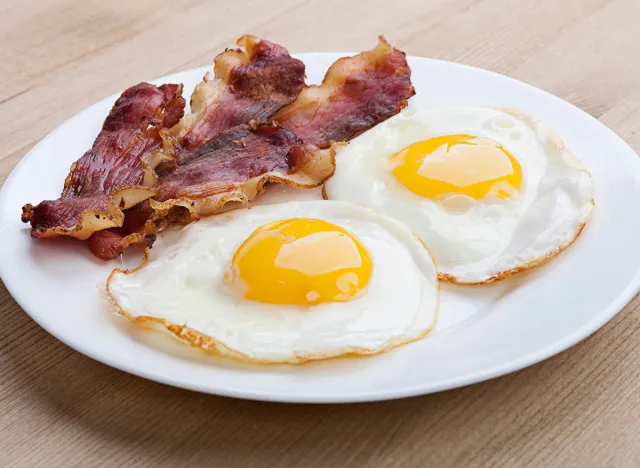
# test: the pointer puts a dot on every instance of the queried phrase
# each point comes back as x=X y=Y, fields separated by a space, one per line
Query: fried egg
x=286 y=283
x=491 y=191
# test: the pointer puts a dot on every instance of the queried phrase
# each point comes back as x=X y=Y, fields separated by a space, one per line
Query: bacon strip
x=117 y=172
x=356 y=94
x=249 y=84
x=235 y=166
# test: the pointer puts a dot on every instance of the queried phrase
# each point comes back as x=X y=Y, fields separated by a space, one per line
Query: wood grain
x=59 y=408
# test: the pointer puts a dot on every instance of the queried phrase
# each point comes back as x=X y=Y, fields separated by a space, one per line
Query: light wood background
x=59 y=408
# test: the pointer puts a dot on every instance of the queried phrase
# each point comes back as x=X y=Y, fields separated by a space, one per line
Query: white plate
x=483 y=332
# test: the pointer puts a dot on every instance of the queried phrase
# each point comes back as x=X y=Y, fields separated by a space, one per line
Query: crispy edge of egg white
x=210 y=345
x=553 y=139
x=548 y=137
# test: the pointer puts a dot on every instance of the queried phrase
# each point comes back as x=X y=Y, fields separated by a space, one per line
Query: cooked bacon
x=141 y=224
x=117 y=172
x=356 y=94
x=235 y=166
x=253 y=83
x=110 y=243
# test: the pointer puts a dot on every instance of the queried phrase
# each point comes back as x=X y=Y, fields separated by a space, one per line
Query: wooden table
x=59 y=408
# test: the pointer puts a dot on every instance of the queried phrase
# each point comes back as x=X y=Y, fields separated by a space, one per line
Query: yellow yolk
x=300 y=261
x=457 y=164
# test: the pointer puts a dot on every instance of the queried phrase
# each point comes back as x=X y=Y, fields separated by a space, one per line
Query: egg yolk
x=300 y=261
x=457 y=165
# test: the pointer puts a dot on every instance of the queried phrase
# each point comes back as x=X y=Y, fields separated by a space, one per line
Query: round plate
x=483 y=332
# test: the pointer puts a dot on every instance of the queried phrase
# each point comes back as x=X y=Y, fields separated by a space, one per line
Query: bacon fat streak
x=356 y=94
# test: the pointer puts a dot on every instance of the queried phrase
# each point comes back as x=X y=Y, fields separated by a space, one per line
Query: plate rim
x=627 y=293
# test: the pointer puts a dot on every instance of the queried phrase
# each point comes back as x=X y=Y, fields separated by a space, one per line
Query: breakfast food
x=357 y=93
x=285 y=283
x=144 y=136
x=117 y=172
x=491 y=191
x=375 y=83
x=251 y=83
x=235 y=165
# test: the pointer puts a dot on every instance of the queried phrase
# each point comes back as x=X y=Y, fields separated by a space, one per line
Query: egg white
x=494 y=238
x=181 y=290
